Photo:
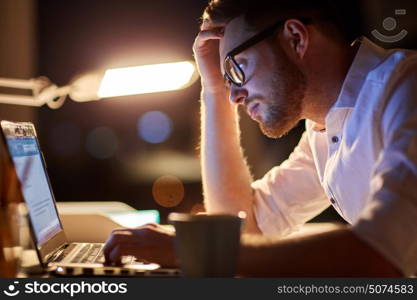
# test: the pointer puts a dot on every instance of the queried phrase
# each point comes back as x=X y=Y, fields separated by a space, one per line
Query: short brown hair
x=256 y=12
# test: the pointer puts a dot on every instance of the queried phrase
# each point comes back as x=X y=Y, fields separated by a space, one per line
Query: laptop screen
x=35 y=186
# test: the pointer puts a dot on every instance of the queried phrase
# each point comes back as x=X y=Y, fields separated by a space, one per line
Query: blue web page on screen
x=36 y=190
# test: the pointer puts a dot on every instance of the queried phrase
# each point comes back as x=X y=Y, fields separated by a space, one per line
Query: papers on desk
x=136 y=218
x=94 y=221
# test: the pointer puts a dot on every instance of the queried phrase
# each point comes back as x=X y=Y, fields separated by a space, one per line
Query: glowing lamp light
x=146 y=79
x=96 y=85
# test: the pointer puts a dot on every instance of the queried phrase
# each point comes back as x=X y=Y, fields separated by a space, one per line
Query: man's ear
x=296 y=36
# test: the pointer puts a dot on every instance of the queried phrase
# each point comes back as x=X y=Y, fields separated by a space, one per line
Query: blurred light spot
x=146 y=79
x=168 y=191
x=154 y=127
x=65 y=139
x=242 y=214
x=198 y=208
x=102 y=143
x=135 y=218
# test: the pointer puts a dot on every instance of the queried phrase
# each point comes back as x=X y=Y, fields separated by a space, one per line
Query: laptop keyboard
x=93 y=253
x=89 y=253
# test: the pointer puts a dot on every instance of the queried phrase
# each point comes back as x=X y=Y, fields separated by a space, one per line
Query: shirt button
x=332 y=201
x=335 y=139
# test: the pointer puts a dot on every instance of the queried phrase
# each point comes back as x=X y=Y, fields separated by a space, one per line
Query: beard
x=285 y=100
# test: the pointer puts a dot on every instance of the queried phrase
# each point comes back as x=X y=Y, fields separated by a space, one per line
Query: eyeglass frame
x=257 y=38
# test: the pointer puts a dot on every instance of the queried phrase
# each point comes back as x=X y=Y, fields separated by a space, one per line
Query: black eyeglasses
x=233 y=73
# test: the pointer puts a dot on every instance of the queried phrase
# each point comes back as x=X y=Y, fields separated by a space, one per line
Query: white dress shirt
x=364 y=163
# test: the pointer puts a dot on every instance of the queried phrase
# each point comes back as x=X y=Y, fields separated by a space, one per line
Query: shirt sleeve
x=290 y=194
x=389 y=220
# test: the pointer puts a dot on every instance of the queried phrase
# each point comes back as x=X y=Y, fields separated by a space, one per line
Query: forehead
x=236 y=32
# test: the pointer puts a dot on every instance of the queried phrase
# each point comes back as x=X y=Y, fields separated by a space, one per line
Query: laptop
x=55 y=253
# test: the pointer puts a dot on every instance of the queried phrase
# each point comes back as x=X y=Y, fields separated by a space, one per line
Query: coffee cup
x=207 y=245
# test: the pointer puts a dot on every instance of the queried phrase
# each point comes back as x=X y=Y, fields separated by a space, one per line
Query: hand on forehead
x=210 y=25
x=236 y=32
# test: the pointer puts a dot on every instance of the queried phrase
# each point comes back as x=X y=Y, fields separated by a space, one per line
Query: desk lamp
x=98 y=85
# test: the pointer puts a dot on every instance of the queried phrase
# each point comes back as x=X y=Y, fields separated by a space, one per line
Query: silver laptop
x=54 y=252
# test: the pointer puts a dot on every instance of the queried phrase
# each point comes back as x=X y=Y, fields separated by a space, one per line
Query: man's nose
x=238 y=95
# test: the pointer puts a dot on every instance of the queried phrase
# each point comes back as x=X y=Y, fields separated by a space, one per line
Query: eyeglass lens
x=233 y=71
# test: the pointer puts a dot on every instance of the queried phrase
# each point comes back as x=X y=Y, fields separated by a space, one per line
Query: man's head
x=266 y=55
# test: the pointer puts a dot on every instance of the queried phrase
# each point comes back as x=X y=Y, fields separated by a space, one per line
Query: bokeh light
x=168 y=191
x=154 y=127
x=102 y=143
x=242 y=214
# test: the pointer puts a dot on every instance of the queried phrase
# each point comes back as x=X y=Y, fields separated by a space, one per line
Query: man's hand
x=150 y=242
x=206 y=53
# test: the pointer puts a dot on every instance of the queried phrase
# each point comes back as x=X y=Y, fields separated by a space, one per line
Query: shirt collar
x=368 y=56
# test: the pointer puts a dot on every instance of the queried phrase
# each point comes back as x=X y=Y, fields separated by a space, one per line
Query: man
x=286 y=61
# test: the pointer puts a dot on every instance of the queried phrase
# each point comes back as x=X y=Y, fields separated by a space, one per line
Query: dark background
x=61 y=39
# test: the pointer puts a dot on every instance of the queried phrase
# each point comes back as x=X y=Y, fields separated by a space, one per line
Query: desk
x=314 y=228
x=30 y=258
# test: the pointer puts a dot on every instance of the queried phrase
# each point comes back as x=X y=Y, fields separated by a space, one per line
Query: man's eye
x=242 y=63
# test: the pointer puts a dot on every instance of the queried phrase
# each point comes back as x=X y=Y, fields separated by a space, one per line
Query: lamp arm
x=43 y=92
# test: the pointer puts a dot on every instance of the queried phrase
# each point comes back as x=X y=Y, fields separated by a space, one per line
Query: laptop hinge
x=54 y=254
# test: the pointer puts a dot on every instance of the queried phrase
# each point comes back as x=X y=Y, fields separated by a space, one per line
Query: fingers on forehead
x=208 y=24
x=206 y=35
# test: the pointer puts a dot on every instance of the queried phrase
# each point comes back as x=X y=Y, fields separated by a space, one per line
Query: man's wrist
x=211 y=92
x=215 y=97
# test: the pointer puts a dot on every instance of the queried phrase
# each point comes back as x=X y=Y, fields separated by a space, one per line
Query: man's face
x=274 y=88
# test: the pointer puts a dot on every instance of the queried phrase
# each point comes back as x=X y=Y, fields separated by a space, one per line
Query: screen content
x=38 y=196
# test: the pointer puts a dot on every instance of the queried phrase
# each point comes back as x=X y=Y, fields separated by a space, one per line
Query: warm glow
x=146 y=79
x=168 y=191
x=242 y=214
